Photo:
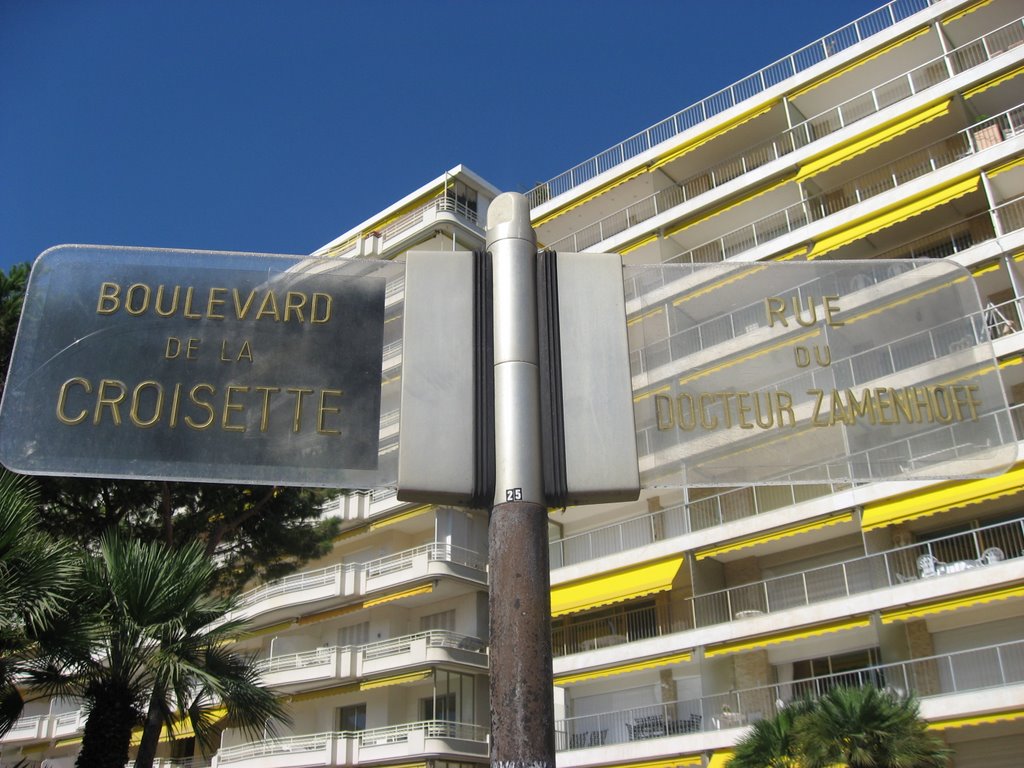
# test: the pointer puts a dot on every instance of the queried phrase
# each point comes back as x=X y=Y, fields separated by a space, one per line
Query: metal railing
x=372 y=737
x=298 y=582
x=435 y=638
x=695 y=515
x=941 y=556
x=442 y=204
x=818 y=51
x=990 y=666
x=809 y=210
x=288 y=745
x=432 y=729
x=794 y=138
x=941 y=243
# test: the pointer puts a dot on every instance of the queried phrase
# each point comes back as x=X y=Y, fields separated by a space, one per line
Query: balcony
x=336 y=663
x=808 y=56
x=397 y=742
x=355 y=580
x=936 y=558
x=30 y=728
x=983 y=668
x=371 y=244
x=718 y=509
x=810 y=130
x=963 y=144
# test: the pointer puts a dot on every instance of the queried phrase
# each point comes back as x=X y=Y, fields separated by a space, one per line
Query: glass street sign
x=202 y=366
x=813 y=373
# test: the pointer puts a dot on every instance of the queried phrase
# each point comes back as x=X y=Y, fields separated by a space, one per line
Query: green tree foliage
x=36 y=576
x=857 y=727
x=160 y=648
x=12 y=293
x=771 y=742
x=868 y=728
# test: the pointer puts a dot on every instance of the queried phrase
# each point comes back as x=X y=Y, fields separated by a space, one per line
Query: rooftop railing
x=809 y=210
x=800 y=135
x=818 y=51
x=992 y=666
x=941 y=556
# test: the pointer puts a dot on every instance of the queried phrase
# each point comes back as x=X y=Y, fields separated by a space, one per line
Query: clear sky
x=275 y=126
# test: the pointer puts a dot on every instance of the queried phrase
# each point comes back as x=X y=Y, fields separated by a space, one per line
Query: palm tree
x=36 y=576
x=771 y=742
x=160 y=650
x=865 y=727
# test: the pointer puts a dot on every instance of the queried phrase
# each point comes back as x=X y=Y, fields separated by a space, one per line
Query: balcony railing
x=296 y=746
x=435 y=638
x=976 y=669
x=695 y=515
x=433 y=552
x=812 y=209
x=775 y=73
x=939 y=244
x=443 y=204
x=794 y=138
x=942 y=556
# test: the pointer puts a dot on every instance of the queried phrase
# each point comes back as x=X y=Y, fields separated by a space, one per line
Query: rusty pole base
x=522 y=704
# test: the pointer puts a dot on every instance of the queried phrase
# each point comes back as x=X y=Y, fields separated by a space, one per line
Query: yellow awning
x=279 y=627
x=993 y=82
x=800 y=250
x=986 y=719
x=714 y=133
x=335 y=690
x=871 y=139
x=871 y=223
x=733 y=276
x=730 y=205
x=942 y=606
x=673 y=762
x=749 y=644
x=384 y=682
x=969 y=9
x=657 y=663
x=333 y=613
x=615 y=587
x=424 y=589
x=939 y=498
x=750 y=356
x=638 y=244
x=780 y=533
x=182 y=728
x=629 y=176
x=720 y=759
x=407 y=515
x=854 y=64
x=1007 y=166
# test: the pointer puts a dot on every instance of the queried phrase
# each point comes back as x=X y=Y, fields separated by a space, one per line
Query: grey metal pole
x=521 y=695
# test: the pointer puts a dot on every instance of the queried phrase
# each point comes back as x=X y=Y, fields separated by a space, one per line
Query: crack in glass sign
x=192 y=365
x=831 y=372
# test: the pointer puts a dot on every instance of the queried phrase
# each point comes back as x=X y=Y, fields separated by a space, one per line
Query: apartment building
x=681 y=618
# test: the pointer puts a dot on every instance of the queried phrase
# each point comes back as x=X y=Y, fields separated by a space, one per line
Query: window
x=352 y=718
x=357 y=634
x=443 y=620
x=815 y=676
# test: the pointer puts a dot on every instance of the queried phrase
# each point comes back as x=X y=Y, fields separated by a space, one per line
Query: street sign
x=813 y=373
x=200 y=366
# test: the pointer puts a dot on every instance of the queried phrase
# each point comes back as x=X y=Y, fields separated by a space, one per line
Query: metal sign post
x=522 y=707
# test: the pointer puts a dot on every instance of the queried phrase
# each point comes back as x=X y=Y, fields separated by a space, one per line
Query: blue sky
x=275 y=126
